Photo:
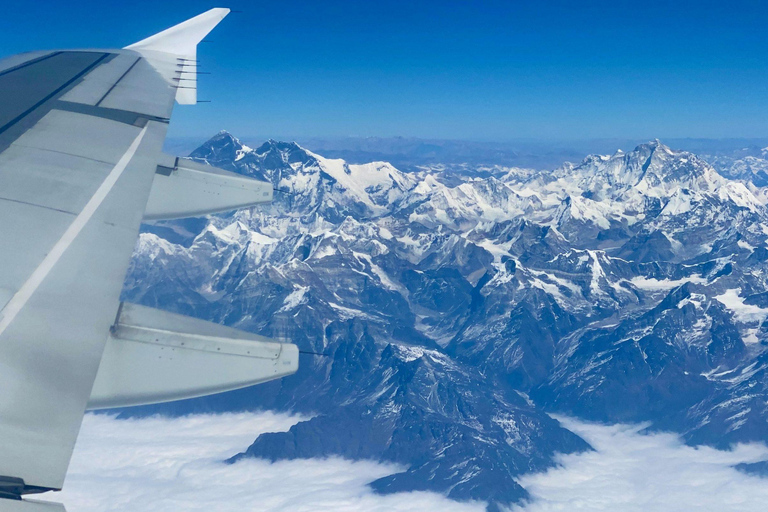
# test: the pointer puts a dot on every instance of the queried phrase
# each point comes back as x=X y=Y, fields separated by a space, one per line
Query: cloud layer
x=631 y=472
x=162 y=464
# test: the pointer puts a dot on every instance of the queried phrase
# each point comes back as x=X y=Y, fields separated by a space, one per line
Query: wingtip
x=222 y=12
x=182 y=39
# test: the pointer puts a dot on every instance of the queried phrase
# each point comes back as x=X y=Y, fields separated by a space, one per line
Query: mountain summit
x=458 y=310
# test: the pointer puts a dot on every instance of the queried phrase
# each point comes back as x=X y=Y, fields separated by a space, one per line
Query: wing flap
x=183 y=188
x=154 y=356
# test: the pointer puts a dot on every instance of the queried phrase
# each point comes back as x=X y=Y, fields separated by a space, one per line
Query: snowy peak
x=666 y=171
x=226 y=150
x=651 y=188
x=221 y=149
x=309 y=183
x=458 y=311
x=624 y=190
x=652 y=169
x=377 y=185
x=274 y=154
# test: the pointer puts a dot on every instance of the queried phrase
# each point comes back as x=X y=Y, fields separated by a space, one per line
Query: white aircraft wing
x=81 y=134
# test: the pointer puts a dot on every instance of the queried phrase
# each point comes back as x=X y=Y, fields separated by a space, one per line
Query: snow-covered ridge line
x=594 y=288
x=615 y=191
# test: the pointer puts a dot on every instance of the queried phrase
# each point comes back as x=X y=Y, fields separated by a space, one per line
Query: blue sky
x=482 y=70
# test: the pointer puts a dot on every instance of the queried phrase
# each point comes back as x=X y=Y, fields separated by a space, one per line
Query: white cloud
x=162 y=465
x=631 y=472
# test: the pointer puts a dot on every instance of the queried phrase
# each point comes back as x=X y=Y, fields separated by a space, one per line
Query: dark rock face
x=455 y=312
x=430 y=414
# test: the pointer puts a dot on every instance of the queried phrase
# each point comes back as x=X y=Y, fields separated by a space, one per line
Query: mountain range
x=448 y=312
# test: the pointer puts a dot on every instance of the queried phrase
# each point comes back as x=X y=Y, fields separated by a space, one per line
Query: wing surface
x=81 y=133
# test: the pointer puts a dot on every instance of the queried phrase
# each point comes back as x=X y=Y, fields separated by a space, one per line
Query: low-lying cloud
x=175 y=464
x=632 y=472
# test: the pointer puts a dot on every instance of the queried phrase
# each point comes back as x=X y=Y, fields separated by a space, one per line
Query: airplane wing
x=81 y=134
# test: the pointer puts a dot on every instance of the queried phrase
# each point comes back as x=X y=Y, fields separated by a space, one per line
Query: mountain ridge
x=627 y=287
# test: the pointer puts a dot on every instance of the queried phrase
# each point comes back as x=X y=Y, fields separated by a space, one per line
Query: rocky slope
x=456 y=311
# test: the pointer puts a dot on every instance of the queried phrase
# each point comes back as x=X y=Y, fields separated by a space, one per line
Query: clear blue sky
x=449 y=69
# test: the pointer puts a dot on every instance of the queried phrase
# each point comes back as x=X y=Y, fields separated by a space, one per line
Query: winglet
x=181 y=41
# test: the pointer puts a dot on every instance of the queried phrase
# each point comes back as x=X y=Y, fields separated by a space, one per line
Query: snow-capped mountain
x=455 y=312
